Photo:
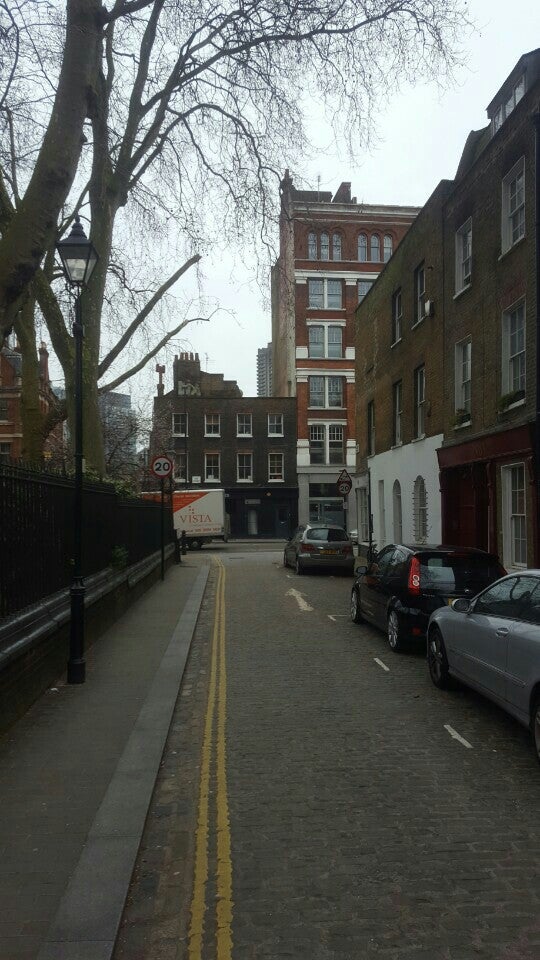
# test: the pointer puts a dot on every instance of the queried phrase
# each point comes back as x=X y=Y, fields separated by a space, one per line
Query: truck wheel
x=195 y=544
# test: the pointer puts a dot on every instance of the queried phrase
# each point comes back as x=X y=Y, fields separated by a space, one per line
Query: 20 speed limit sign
x=162 y=467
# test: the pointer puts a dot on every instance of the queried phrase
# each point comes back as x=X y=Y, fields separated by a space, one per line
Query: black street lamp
x=78 y=258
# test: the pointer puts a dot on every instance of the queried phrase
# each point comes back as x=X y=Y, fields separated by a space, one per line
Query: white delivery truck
x=201 y=513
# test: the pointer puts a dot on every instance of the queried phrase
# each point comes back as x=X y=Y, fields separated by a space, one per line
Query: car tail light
x=347 y=548
x=307 y=548
x=414 y=577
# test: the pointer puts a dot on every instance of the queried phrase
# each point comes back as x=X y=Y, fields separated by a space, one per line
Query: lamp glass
x=78 y=256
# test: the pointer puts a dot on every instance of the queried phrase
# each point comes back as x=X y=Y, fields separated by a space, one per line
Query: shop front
x=265 y=513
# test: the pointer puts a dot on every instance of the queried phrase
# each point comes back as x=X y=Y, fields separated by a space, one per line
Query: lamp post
x=78 y=258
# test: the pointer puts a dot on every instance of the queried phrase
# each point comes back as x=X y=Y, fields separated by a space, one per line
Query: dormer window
x=512 y=99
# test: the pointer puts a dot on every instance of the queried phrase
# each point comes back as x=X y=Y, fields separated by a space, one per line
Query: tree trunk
x=31 y=413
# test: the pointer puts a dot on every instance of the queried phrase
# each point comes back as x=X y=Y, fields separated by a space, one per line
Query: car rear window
x=458 y=572
x=323 y=533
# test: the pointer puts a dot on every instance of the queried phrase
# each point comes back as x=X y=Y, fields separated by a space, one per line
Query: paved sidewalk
x=76 y=777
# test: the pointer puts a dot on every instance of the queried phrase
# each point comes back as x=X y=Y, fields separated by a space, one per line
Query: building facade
x=11 y=387
x=219 y=438
x=331 y=251
x=264 y=371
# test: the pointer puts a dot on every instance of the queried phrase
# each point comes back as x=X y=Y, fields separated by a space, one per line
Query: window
x=464 y=256
x=463 y=377
x=324 y=294
x=243 y=425
x=364 y=286
x=312 y=246
x=316 y=341
x=363 y=515
x=5 y=452
x=382 y=514
x=362 y=248
x=325 y=342
x=275 y=424
x=371 y=428
x=387 y=247
x=211 y=425
x=514 y=516
x=398 y=518
x=326 y=444
x=512 y=100
x=336 y=246
x=420 y=511
x=397 y=316
x=245 y=467
x=419 y=401
x=179 y=424
x=325 y=246
x=419 y=293
x=513 y=206
x=513 y=351
x=335 y=343
x=326 y=391
x=397 y=395
x=275 y=466
x=211 y=466
x=180 y=466
x=3 y=410
x=375 y=248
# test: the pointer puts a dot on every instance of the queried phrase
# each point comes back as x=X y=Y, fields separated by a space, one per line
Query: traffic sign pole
x=162 y=481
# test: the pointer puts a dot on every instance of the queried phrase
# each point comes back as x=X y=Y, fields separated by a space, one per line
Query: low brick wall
x=34 y=645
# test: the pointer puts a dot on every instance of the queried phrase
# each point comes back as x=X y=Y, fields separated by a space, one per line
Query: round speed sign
x=162 y=467
x=344 y=487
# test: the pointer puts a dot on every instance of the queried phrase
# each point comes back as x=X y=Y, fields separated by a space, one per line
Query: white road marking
x=455 y=735
x=330 y=617
x=381 y=664
x=300 y=600
x=337 y=616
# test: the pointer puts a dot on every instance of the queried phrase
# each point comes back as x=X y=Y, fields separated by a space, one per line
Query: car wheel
x=437 y=659
x=395 y=633
x=535 y=728
x=195 y=544
x=356 y=610
x=298 y=567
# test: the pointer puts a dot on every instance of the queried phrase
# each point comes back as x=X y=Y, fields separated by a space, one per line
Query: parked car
x=399 y=590
x=492 y=643
x=319 y=545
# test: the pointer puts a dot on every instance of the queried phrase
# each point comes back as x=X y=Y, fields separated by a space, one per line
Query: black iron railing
x=36 y=533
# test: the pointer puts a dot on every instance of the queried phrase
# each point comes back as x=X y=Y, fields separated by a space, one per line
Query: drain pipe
x=536 y=121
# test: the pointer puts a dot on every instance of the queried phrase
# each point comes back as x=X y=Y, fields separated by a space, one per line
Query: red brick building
x=332 y=248
x=11 y=385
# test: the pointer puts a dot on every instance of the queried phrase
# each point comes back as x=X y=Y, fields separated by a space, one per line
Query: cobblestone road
x=359 y=827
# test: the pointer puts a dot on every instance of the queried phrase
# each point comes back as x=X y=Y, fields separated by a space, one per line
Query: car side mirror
x=361 y=571
x=461 y=605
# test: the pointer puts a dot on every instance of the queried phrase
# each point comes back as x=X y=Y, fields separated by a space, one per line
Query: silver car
x=492 y=643
x=319 y=545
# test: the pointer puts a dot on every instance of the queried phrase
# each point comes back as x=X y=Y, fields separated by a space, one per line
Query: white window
x=398 y=517
x=326 y=391
x=325 y=294
x=243 y=425
x=317 y=443
x=463 y=377
x=363 y=515
x=387 y=247
x=375 y=248
x=514 y=516
x=180 y=466
x=513 y=206
x=364 y=286
x=464 y=256
x=326 y=444
x=179 y=424
x=212 y=425
x=420 y=511
x=325 y=341
x=245 y=467
x=513 y=351
x=362 y=248
x=512 y=100
x=325 y=246
x=312 y=246
x=336 y=246
x=397 y=316
x=211 y=466
x=275 y=424
x=419 y=401
x=275 y=466
x=419 y=293
x=397 y=401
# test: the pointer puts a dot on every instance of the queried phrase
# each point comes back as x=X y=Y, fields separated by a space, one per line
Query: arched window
x=375 y=248
x=420 y=511
x=312 y=246
x=325 y=246
x=336 y=246
x=387 y=247
x=362 y=248
x=398 y=523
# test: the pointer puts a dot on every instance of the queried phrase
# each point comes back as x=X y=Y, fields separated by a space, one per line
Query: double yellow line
x=214 y=736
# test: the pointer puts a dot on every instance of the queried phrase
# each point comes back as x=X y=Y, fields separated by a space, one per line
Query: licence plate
x=329 y=553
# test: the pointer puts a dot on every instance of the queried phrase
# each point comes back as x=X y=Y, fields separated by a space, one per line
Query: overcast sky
x=421 y=134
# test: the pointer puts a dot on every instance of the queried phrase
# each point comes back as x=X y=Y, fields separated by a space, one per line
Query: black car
x=399 y=590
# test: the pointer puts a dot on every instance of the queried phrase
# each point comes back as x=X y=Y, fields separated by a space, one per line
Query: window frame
x=419 y=401
x=419 y=294
x=180 y=432
x=360 y=245
x=397 y=413
x=375 y=247
x=271 y=479
x=463 y=280
x=507 y=383
x=312 y=246
x=326 y=305
x=509 y=539
x=212 y=453
x=388 y=247
x=461 y=402
x=324 y=246
x=507 y=214
x=244 y=433
x=326 y=405
x=207 y=417
x=244 y=453
x=275 y=433
x=337 y=246
x=369 y=286
x=179 y=456
x=5 y=455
